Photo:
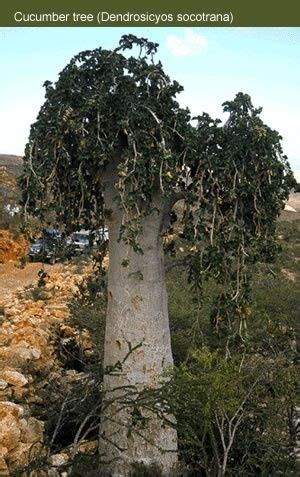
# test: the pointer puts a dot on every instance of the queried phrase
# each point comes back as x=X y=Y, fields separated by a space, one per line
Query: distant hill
x=10 y=167
x=13 y=164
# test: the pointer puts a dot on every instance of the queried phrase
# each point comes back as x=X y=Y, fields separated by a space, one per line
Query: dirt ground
x=12 y=277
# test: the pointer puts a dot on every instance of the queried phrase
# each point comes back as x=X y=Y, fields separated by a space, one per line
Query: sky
x=212 y=64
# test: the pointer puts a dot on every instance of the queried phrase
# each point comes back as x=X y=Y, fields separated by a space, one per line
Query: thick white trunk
x=137 y=320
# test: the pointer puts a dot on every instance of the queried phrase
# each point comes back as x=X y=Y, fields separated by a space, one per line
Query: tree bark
x=138 y=339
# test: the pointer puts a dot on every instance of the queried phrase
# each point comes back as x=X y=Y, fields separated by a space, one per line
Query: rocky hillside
x=12 y=163
x=10 y=247
x=10 y=168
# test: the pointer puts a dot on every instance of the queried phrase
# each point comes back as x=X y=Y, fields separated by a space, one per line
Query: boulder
x=3 y=467
x=8 y=407
x=3 y=384
x=32 y=430
x=3 y=451
x=59 y=459
x=20 y=456
x=88 y=447
x=14 y=378
x=9 y=432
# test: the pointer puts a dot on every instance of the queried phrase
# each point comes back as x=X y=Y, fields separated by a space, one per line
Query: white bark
x=137 y=318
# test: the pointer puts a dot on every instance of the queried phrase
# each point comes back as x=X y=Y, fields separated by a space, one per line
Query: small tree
x=232 y=414
x=111 y=145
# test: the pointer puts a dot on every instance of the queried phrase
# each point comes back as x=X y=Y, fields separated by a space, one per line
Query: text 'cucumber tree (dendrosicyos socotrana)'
x=112 y=146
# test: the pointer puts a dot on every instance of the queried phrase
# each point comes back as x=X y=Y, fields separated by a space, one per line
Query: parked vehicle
x=51 y=247
x=41 y=251
x=84 y=239
x=80 y=241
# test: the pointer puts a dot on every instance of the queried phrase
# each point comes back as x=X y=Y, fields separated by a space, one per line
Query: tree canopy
x=109 y=109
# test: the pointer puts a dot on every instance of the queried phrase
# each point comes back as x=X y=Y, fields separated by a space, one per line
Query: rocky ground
x=31 y=320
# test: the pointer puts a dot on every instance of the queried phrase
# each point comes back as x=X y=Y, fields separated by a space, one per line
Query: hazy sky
x=213 y=64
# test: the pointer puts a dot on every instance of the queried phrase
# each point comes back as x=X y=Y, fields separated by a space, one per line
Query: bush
x=209 y=385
